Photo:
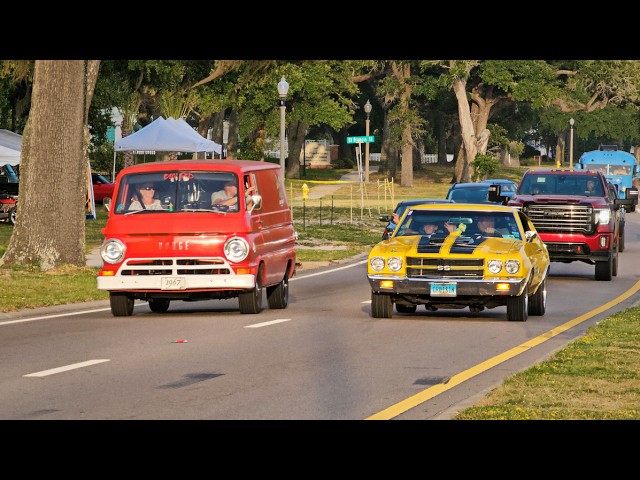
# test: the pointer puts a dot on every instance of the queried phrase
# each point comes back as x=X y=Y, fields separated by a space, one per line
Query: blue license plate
x=443 y=290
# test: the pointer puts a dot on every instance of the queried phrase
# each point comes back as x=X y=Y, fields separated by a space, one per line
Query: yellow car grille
x=418 y=267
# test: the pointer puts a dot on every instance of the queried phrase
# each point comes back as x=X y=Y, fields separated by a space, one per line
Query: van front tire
x=121 y=304
x=251 y=301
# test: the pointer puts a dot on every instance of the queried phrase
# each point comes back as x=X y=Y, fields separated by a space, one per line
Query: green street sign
x=364 y=139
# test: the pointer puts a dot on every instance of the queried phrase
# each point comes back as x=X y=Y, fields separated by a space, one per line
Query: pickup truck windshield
x=561 y=185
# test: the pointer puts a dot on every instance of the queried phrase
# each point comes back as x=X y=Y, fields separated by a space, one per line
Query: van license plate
x=443 y=290
x=172 y=283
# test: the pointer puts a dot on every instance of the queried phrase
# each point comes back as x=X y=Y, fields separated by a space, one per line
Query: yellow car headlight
x=394 y=263
x=376 y=263
x=512 y=266
x=494 y=266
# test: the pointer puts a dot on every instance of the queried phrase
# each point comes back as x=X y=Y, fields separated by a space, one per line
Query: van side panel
x=275 y=222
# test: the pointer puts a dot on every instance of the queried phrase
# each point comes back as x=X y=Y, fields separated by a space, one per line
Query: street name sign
x=363 y=139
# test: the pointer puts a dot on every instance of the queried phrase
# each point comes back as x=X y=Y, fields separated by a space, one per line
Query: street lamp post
x=571 y=122
x=283 y=89
x=367 y=109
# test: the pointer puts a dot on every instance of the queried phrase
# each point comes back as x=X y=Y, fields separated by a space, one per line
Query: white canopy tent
x=167 y=136
x=10 y=146
x=162 y=135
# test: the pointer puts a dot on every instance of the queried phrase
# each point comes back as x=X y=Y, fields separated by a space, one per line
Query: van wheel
x=278 y=295
x=159 y=305
x=121 y=304
x=251 y=301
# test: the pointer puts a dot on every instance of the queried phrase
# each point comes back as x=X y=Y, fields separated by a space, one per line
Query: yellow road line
x=415 y=400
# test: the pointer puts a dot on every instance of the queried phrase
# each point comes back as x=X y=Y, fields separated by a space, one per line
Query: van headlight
x=112 y=251
x=236 y=249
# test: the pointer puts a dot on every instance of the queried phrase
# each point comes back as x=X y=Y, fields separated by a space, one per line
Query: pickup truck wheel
x=405 y=309
x=251 y=302
x=621 y=243
x=12 y=216
x=381 y=305
x=604 y=270
x=278 y=295
x=538 y=301
x=159 y=305
x=121 y=304
x=517 y=308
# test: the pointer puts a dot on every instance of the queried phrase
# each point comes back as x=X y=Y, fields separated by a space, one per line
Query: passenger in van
x=229 y=195
x=145 y=198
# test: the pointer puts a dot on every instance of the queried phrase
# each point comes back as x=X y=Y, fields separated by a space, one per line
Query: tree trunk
x=232 y=141
x=53 y=167
x=469 y=147
x=295 y=144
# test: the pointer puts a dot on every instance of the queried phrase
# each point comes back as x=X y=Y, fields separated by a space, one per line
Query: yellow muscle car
x=460 y=255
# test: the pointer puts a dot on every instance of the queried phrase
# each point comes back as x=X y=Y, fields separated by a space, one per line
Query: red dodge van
x=198 y=230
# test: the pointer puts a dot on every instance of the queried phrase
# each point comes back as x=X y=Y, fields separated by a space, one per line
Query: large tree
x=53 y=167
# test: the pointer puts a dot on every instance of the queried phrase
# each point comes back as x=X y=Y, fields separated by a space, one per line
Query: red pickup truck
x=575 y=215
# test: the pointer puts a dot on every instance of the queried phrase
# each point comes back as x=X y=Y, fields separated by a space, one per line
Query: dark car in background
x=102 y=187
x=507 y=187
x=472 y=192
x=400 y=209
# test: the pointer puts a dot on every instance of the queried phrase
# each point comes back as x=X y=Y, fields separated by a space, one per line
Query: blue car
x=507 y=187
x=478 y=192
x=399 y=210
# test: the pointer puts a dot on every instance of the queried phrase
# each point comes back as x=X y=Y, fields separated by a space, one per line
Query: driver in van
x=145 y=198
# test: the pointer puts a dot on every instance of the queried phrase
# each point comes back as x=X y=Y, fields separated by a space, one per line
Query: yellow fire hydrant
x=305 y=191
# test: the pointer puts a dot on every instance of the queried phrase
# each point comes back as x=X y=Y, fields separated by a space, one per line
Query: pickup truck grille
x=561 y=218
x=418 y=267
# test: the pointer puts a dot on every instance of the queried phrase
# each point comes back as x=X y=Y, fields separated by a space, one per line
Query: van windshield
x=177 y=191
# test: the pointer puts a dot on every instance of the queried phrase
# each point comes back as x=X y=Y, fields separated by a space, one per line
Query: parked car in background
x=102 y=187
x=507 y=187
x=399 y=210
x=491 y=256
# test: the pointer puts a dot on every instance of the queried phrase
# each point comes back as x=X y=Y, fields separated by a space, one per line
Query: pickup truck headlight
x=603 y=216
x=112 y=251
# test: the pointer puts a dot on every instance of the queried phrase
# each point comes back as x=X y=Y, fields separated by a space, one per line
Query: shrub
x=484 y=166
